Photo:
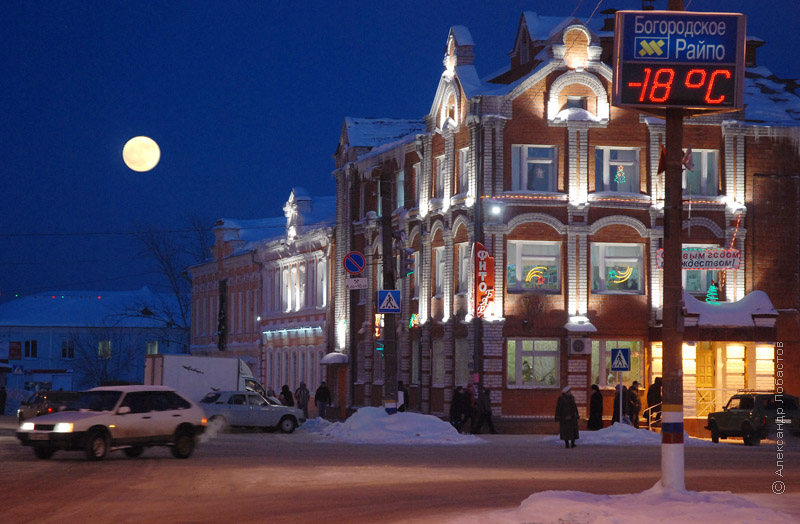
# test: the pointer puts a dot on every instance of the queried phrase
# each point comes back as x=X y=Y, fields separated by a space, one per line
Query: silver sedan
x=250 y=410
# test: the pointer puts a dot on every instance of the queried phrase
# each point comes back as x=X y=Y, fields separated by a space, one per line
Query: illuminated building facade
x=565 y=193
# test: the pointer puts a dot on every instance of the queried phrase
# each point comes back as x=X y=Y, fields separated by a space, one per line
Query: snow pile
x=371 y=425
x=623 y=434
x=654 y=505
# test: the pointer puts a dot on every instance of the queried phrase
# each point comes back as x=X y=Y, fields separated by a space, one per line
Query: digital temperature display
x=678 y=85
x=679 y=59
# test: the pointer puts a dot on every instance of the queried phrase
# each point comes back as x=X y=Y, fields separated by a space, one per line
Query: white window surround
x=617 y=268
x=539 y=260
x=617 y=169
x=534 y=168
x=463 y=249
x=533 y=363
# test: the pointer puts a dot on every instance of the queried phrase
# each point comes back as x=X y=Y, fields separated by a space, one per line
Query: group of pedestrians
x=567 y=410
x=468 y=414
x=302 y=395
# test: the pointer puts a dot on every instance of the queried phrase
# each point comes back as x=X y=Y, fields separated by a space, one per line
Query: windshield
x=95 y=401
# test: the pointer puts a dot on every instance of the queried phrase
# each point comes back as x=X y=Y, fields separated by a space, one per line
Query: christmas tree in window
x=713 y=293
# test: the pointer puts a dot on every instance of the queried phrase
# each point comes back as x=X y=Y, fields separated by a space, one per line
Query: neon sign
x=536 y=273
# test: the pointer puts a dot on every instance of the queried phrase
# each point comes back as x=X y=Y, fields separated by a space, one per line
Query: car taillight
x=49 y=410
x=763 y=421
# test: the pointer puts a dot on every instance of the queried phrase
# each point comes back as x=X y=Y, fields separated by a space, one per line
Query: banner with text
x=484 y=279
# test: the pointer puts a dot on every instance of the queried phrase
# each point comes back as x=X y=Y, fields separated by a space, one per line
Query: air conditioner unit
x=580 y=346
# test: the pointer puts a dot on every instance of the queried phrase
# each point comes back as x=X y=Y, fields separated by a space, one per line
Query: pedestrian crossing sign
x=389 y=301
x=620 y=359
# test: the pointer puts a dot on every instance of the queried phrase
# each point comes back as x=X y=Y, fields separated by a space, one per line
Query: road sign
x=679 y=59
x=18 y=369
x=389 y=301
x=354 y=262
x=356 y=283
x=620 y=359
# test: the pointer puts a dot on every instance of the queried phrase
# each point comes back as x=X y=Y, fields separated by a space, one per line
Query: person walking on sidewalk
x=322 y=398
x=485 y=412
x=567 y=417
x=301 y=395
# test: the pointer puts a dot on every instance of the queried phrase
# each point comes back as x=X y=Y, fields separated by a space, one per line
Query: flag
x=662 y=160
x=687 y=160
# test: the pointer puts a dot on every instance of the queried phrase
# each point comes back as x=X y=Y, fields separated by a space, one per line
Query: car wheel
x=219 y=423
x=750 y=437
x=43 y=453
x=134 y=451
x=714 y=432
x=183 y=446
x=287 y=424
x=96 y=445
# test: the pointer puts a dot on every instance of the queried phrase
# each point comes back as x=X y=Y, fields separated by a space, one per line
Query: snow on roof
x=371 y=132
x=462 y=35
x=728 y=314
x=769 y=99
x=543 y=27
x=576 y=114
x=86 y=309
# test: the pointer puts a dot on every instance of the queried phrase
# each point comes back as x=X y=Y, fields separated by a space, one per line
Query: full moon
x=141 y=153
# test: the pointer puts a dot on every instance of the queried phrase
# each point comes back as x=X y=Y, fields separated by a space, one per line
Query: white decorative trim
x=550 y=220
x=583 y=78
x=706 y=223
x=620 y=220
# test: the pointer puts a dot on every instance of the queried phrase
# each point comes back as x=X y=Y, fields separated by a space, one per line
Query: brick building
x=564 y=192
x=265 y=294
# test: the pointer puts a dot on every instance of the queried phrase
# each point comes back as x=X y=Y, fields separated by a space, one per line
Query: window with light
x=533 y=266
x=532 y=363
x=617 y=170
x=617 y=268
x=601 y=362
x=703 y=179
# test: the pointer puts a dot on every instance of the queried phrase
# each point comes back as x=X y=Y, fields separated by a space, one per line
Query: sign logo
x=484 y=279
x=652 y=48
x=620 y=359
x=389 y=301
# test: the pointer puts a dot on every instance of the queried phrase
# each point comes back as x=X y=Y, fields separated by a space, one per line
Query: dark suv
x=44 y=403
x=753 y=415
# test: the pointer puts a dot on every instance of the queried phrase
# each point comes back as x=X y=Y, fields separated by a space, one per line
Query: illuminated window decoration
x=617 y=276
x=536 y=272
x=378 y=325
x=413 y=321
x=713 y=293
x=619 y=178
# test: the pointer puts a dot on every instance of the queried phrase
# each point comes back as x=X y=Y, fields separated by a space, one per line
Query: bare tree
x=106 y=355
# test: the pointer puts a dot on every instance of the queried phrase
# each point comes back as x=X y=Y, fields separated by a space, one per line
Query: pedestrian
x=459 y=406
x=302 y=395
x=595 y=409
x=567 y=417
x=615 y=417
x=485 y=412
x=471 y=413
x=654 y=400
x=2 y=400
x=402 y=396
x=322 y=398
x=286 y=396
x=634 y=404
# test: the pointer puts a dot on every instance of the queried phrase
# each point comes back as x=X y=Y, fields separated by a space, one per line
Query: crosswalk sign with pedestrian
x=389 y=301
x=620 y=359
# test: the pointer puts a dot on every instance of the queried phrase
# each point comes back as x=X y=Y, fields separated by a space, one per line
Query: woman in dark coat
x=654 y=400
x=595 y=409
x=567 y=417
x=286 y=396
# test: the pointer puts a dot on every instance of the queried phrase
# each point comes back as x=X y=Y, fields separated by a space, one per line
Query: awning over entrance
x=754 y=310
x=334 y=358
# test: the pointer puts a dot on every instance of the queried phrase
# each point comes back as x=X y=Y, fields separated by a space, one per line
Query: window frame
x=703 y=273
x=603 y=288
x=601 y=357
x=462 y=283
x=463 y=171
x=438 y=176
x=605 y=175
x=518 y=287
x=702 y=164
x=520 y=354
x=439 y=271
x=520 y=158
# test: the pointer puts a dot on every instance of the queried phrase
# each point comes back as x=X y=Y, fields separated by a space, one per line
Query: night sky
x=245 y=98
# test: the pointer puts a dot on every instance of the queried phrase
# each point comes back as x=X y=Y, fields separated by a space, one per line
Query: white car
x=129 y=418
x=249 y=409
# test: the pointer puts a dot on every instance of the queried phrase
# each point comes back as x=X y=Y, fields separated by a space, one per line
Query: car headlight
x=27 y=426
x=63 y=427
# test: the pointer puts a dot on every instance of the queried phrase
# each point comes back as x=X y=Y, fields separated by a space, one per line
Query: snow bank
x=622 y=434
x=371 y=425
x=652 y=506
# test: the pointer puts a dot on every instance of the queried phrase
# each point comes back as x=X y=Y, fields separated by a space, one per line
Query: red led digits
x=657 y=87
x=714 y=75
